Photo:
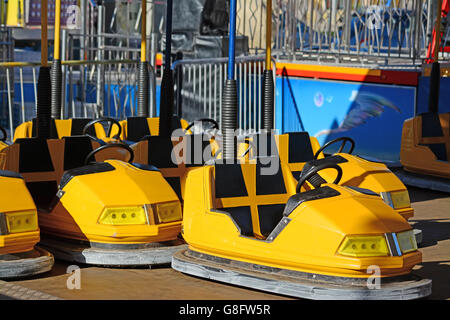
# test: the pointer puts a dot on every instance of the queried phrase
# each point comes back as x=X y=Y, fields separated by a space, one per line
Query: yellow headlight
x=407 y=241
x=21 y=221
x=400 y=199
x=123 y=216
x=364 y=246
x=168 y=212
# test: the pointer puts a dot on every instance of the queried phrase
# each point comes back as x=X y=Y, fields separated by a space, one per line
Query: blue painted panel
x=424 y=91
x=371 y=114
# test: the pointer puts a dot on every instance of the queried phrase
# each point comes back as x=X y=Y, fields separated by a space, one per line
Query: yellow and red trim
x=398 y=77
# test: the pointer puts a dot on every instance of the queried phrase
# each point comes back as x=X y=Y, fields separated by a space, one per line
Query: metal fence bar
x=201 y=97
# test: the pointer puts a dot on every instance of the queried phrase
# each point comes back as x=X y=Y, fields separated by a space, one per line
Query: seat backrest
x=253 y=199
x=60 y=128
x=32 y=158
x=300 y=148
x=434 y=133
x=265 y=145
x=76 y=149
x=157 y=151
x=43 y=162
x=53 y=130
x=76 y=127
x=296 y=148
x=160 y=151
x=135 y=128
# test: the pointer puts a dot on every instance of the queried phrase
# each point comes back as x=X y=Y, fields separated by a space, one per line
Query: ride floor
x=432 y=216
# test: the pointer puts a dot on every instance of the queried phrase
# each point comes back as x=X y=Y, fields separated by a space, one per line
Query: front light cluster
x=123 y=216
x=167 y=212
x=377 y=246
x=364 y=246
x=142 y=215
x=407 y=241
x=397 y=199
x=18 y=222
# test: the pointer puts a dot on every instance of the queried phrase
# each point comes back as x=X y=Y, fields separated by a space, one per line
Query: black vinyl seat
x=137 y=128
x=300 y=148
x=230 y=184
x=76 y=149
x=76 y=129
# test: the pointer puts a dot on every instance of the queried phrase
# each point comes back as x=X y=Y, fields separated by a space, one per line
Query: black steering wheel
x=5 y=135
x=214 y=122
x=315 y=169
x=111 y=121
x=110 y=145
x=343 y=139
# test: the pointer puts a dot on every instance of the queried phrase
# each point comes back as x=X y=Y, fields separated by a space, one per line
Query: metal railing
x=250 y=21
x=364 y=31
x=357 y=31
x=199 y=84
x=118 y=96
x=100 y=88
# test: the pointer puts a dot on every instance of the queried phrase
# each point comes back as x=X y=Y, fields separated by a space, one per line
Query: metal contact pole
x=167 y=90
x=100 y=69
x=56 y=72
x=64 y=106
x=435 y=75
x=43 y=116
x=268 y=85
x=83 y=10
x=152 y=65
x=143 y=74
x=229 y=97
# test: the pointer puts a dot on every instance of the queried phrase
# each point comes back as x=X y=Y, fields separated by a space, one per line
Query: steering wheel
x=110 y=145
x=343 y=139
x=315 y=169
x=111 y=121
x=5 y=135
x=214 y=122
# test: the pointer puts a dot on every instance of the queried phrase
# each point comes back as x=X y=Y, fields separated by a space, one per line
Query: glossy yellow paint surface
x=19 y=242
x=308 y=243
x=86 y=196
x=64 y=127
x=16 y=200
